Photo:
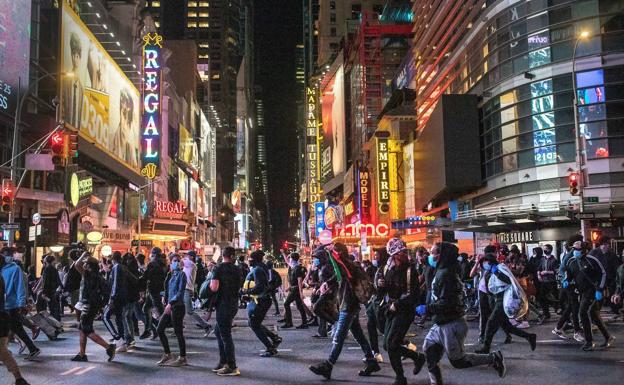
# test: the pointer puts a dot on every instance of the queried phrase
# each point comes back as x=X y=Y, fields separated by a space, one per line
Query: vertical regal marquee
x=151 y=125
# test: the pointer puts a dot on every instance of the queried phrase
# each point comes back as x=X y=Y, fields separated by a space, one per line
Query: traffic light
x=58 y=144
x=72 y=145
x=594 y=235
x=8 y=194
x=573 y=183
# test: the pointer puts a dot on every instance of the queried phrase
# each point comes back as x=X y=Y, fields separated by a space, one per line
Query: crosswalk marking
x=70 y=371
x=83 y=371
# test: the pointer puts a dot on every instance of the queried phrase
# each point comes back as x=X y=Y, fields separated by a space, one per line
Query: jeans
x=349 y=321
x=547 y=296
x=175 y=319
x=294 y=296
x=115 y=309
x=131 y=309
x=223 y=332
x=256 y=313
x=188 y=304
x=17 y=327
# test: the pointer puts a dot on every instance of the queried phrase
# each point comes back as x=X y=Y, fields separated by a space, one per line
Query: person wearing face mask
x=296 y=275
x=372 y=308
x=590 y=277
x=610 y=261
x=313 y=281
x=498 y=277
x=173 y=315
x=15 y=301
x=324 y=307
x=256 y=287
x=400 y=285
x=546 y=275
x=449 y=330
x=92 y=298
x=275 y=282
x=568 y=292
x=153 y=280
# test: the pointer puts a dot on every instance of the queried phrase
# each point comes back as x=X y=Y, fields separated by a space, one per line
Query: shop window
x=589 y=78
x=591 y=113
x=591 y=95
x=597 y=148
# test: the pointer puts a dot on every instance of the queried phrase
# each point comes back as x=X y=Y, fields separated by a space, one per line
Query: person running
x=296 y=275
x=91 y=299
x=5 y=355
x=173 y=315
x=117 y=299
x=259 y=303
x=590 y=278
x=449 y=329
x=313 y=280
x=399 y=282
x=132 y=309
x=570 y=297
x=380 y=259
x=498 y=277
x=348 y=318
x=154 y=281
x=16 y=295
x=226 y=284
x=275 y=282
x=547 y=277
x=47 y=296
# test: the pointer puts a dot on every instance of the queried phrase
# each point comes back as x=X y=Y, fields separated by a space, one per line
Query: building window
x=356 y=11
x=155 y=4
x=333 y=32
x=191 y=24
x=332 y=5
x=204 y=25
x=332 y=19
x=191 y=14
x=192 y=4
x=204 y=4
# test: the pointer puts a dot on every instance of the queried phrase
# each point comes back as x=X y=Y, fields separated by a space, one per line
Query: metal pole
x=577 y=143
x=139 y=223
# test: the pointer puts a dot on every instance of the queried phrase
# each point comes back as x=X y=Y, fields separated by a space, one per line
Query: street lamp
x=577 y=135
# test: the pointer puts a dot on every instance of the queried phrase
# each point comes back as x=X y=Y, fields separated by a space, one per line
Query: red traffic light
x=595 y=235
x=573 y=183
x=8 y=194
x=58 y=144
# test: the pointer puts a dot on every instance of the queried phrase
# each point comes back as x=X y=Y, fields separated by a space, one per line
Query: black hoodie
x=447 y=303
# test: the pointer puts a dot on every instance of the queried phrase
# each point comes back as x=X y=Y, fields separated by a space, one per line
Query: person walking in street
x=547 y=278
x=117 y=300
x=348 y=318
x=92 y=297
x=132 y=309
x=256 y=287
x=399 y=282
x=588 y=274
x=226 y=284
x=275 y=282
x=296 y=275
x=449 y=329
x=570 y=296
x=498 y=278
x=173 y=315
x=611 y=262
x=5 y=355
x=190 y=270
x=372 y=307
x=154 y=281
x=15 y=294
x=47 y=297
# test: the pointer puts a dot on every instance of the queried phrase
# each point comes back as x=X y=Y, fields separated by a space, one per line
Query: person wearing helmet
x=256 y=287
x=399 y=282
x=449 y=329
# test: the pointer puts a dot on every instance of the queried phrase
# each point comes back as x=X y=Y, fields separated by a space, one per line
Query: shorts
x=86 y=321
x=450 y=336
x=4 y=324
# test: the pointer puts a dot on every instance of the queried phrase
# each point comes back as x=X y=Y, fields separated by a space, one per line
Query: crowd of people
x=396 y=287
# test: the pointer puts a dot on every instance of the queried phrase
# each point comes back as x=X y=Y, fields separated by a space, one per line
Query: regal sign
x=170 y=210
x=383 y=175
x=151 y=124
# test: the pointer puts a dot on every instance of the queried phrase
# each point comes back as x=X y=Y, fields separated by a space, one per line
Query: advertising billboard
x=151 y=126
x=333 y=152
x=186 y=146
x=96 y=96
x=14 y=51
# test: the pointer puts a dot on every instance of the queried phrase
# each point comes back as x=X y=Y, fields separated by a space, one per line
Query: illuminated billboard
x=151 y=126
x=312 y=148
x=14 y=51
x=333 y=152
x=96 y=96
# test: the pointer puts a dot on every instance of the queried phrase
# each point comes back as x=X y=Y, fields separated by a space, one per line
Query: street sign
x=10 y=226
x=582 y=216
x=592 y=199
x=36 y=218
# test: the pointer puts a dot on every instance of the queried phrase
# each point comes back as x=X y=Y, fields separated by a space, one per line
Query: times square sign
x=151 y=123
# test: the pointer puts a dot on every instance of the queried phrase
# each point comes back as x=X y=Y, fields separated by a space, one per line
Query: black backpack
x=276 y=279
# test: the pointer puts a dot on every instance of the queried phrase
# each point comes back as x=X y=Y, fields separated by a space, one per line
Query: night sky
x=278 y=27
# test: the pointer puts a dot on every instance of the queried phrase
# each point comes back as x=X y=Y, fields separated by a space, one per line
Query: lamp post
x=577 y=136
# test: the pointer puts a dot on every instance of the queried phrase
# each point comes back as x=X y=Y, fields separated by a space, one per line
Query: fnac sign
x=151 y=125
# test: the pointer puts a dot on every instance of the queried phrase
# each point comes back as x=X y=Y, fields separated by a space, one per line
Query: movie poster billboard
x=96 y=96
x=333 y=149
x=14 y=51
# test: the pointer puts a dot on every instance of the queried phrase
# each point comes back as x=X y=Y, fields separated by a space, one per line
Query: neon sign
x=165 y=209
x=312 y=148
x=357 y=229
x=151 y=125
x=383 y=175
x=319 y=216
x=364 y=185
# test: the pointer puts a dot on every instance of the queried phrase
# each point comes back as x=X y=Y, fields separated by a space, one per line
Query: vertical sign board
x=383 y=175
x=312 y=148
x=365 y=195
x=151 y=125
x=319 y=216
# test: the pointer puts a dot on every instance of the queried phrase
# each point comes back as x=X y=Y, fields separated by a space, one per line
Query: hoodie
x=447 y=303
x=259 y=276
x=15 y=288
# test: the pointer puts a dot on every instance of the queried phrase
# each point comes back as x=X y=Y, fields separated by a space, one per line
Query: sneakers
x=164 y=359
x=33 y=354
x=269 y=353
x=146 y=334
x=579 y=337
x=588 y=346
x=559 y=333
x=218 y=367
x=379 y=358
x=323 y=369
x=122 y=349
x=498 y=363
x=277 y=341
x=370 y=368
x=227 y=371
x=607 y=342
x=532 y=341
x=180 y=361
x=110 y=351
x=79 y=358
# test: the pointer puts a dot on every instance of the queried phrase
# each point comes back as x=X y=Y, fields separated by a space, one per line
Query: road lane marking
x=70 y=371
x=83 y=371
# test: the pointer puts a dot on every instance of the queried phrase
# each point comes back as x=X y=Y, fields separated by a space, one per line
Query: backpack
x=361 y=284
x=71 y=281
x=276 y=279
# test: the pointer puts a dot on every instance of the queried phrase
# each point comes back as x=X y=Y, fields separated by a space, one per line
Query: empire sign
x=383 y=174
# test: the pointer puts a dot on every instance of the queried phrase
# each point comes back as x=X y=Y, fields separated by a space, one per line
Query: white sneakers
x=171 y=360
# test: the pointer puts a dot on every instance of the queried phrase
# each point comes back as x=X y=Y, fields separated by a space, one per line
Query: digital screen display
x=589 y=78
x=544 y=136
x=591 y=95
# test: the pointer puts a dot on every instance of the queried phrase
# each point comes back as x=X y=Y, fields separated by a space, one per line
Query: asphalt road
x=554 y=362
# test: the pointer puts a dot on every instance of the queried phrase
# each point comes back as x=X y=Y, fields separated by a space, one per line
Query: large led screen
x=333 y=114
x=545 y=151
